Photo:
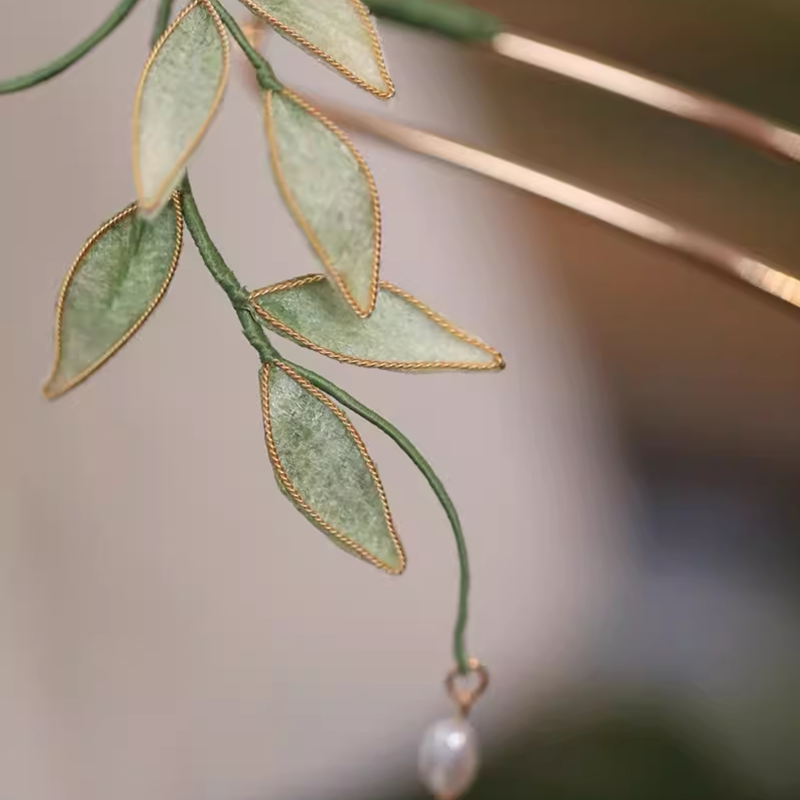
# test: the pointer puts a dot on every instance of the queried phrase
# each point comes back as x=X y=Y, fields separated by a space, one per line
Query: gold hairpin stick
x=640 y=88
x=673 y=235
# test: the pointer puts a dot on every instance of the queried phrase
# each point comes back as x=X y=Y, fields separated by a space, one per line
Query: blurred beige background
x=171 y=628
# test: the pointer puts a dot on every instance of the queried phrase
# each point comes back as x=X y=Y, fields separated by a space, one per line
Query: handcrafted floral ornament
x=340 y=32
x=121 y=274
x=115 y=283
x=401 y=333
x=124 y=270
x=323 y=467
x=330 y=192
x=178 y=94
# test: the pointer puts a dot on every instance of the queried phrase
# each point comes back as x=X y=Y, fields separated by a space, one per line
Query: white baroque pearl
x=448 y=758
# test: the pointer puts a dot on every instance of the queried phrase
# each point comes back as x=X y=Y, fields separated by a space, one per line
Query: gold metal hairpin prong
x=699 y=247
x=673 y=235
x=648 y=90
x=465 y=697
x=255 y=30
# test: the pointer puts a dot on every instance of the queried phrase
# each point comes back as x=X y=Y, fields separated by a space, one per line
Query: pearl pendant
x=448 y=758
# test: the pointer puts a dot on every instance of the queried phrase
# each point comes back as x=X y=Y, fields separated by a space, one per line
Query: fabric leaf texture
x=330 y=192
x=178 y=94
x=339 y=32
x=117 y=280
x=401 y=333
x=323 y=467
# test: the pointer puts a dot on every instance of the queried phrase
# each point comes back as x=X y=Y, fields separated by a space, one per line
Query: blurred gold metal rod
x=674 y=100
x=698 y=246
x=463 y=23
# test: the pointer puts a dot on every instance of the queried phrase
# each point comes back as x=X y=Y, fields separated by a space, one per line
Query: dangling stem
x=65 y=61
x=405 y=444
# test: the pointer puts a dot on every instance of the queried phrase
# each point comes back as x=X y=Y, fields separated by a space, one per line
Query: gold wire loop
x=465 y=697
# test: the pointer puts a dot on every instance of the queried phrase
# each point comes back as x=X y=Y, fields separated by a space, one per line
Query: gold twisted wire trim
x=82 y=376
x=295 y=211
x=172 y=177
x=297 y=498
x=296 y=283
x=366 y=22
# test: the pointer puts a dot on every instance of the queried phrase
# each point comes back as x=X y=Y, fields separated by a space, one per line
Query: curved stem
x=255 y=334
x=70 y=57
x=265 y=75
x=225 y=277
x=405 y=444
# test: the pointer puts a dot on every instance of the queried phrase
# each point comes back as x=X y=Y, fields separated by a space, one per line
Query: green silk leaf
x=323 y=467
x=330 y=192
x=339 y=32
x=180 y=90
x=117 y=280
x=401 y=333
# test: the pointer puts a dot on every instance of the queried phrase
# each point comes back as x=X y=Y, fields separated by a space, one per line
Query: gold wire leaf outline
x=295 y=494
x=365 y=19
x=497 y=362
x=288 y=198
x=65 y=287
x=190 y=148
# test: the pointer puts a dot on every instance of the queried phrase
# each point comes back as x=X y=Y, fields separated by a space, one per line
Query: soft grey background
x=170 y=628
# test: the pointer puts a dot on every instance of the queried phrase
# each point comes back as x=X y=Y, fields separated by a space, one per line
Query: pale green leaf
x=340 y=32
x=330 y=192
x=117 y=280
x=180 y=89
x=322 y=466
x=401 y=333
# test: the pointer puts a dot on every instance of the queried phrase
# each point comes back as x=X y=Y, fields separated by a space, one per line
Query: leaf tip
x=389 y=92
x=397 y=568
x=363 y=310
x=54 y=388
x=48 y=392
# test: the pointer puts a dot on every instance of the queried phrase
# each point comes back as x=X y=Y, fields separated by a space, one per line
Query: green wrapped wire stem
x=109 y=25
x=449 y=19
